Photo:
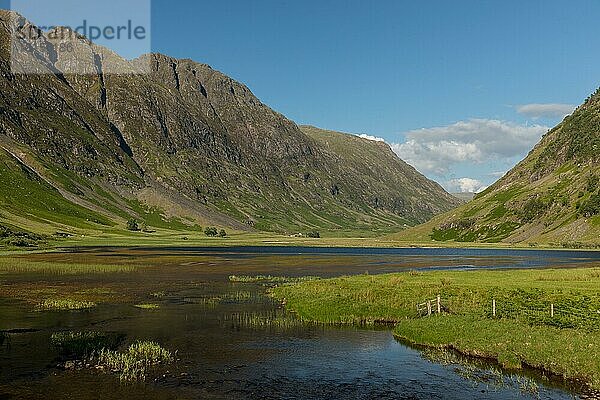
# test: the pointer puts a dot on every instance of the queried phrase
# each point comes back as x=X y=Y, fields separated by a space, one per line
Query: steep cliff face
x=552 y=196
x=185 y=133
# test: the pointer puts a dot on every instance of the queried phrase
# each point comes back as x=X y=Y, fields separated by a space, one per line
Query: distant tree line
x=212 y=231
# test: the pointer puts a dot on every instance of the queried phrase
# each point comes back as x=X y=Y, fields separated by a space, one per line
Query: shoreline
x=187 y=240
x=556 y=380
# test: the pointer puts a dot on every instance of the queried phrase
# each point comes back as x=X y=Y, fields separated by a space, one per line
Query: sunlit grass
x=147 y=306
x=270 y=279
x=64 y=304
x=22 y=266
x=133 y=363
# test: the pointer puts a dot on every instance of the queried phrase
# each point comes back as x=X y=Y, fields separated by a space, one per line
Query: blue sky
x=460 y=89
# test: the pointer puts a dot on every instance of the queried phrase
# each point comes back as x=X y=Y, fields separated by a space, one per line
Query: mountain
x=552 y=196
x=180 y=145
x=375 y=167
x=464 y=196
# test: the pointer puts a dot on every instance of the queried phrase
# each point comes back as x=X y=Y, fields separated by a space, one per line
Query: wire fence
x=554 y=314
x=560 y=314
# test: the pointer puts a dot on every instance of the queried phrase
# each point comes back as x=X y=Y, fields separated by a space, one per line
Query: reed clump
x=133 y=363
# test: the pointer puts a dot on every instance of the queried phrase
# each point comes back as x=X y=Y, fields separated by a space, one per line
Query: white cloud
x=436 y=150
x=465 y=185
x=369 y=137
x=546 y=110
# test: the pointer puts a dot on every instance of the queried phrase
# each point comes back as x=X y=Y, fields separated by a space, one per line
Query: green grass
x=269 y=279
x=64 y=304
x=133 y=363
x=147 y=306
x=522 y=332
x=23 y=266
x=572 y=354
x=23 y=192
x=270 y=321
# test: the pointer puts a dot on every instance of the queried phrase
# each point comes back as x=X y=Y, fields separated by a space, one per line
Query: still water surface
x=220 y=354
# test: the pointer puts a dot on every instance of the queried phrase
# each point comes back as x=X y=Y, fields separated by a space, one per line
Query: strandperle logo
x=92 y=32
x=80 y=37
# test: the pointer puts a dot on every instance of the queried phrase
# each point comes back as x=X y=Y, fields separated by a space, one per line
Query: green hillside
x=551 y=197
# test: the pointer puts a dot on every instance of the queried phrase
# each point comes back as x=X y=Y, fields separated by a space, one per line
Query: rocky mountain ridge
x=185 y=144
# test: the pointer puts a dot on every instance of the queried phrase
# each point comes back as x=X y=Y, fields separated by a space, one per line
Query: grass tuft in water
x=278 y=320
x=64 y=304
x=148 y=306
x=270 y=279
x=133 y=364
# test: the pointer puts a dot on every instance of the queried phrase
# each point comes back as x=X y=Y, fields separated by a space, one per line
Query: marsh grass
x=133 y=364
x=83 y=344
x=269 y=279
x=147 y=306
x=64 y=304
x=237 y=297
x=22 y=266
x=278 y=320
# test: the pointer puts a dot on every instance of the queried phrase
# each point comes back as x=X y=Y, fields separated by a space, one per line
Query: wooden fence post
x=552 y=310
x=439 y=305
x=428 y=307
x=494 y=307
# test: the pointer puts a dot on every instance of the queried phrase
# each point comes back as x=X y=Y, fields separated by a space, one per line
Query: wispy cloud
x=436 y=150
x=545 y=110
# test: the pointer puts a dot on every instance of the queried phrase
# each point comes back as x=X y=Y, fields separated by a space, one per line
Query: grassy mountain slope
x=552 y=196
x=185 y=145
x=375 y=164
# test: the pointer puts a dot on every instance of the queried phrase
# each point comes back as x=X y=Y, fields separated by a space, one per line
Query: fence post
x=552 y=310
x=439 y=305
x=428 y=307
x=494 y=307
